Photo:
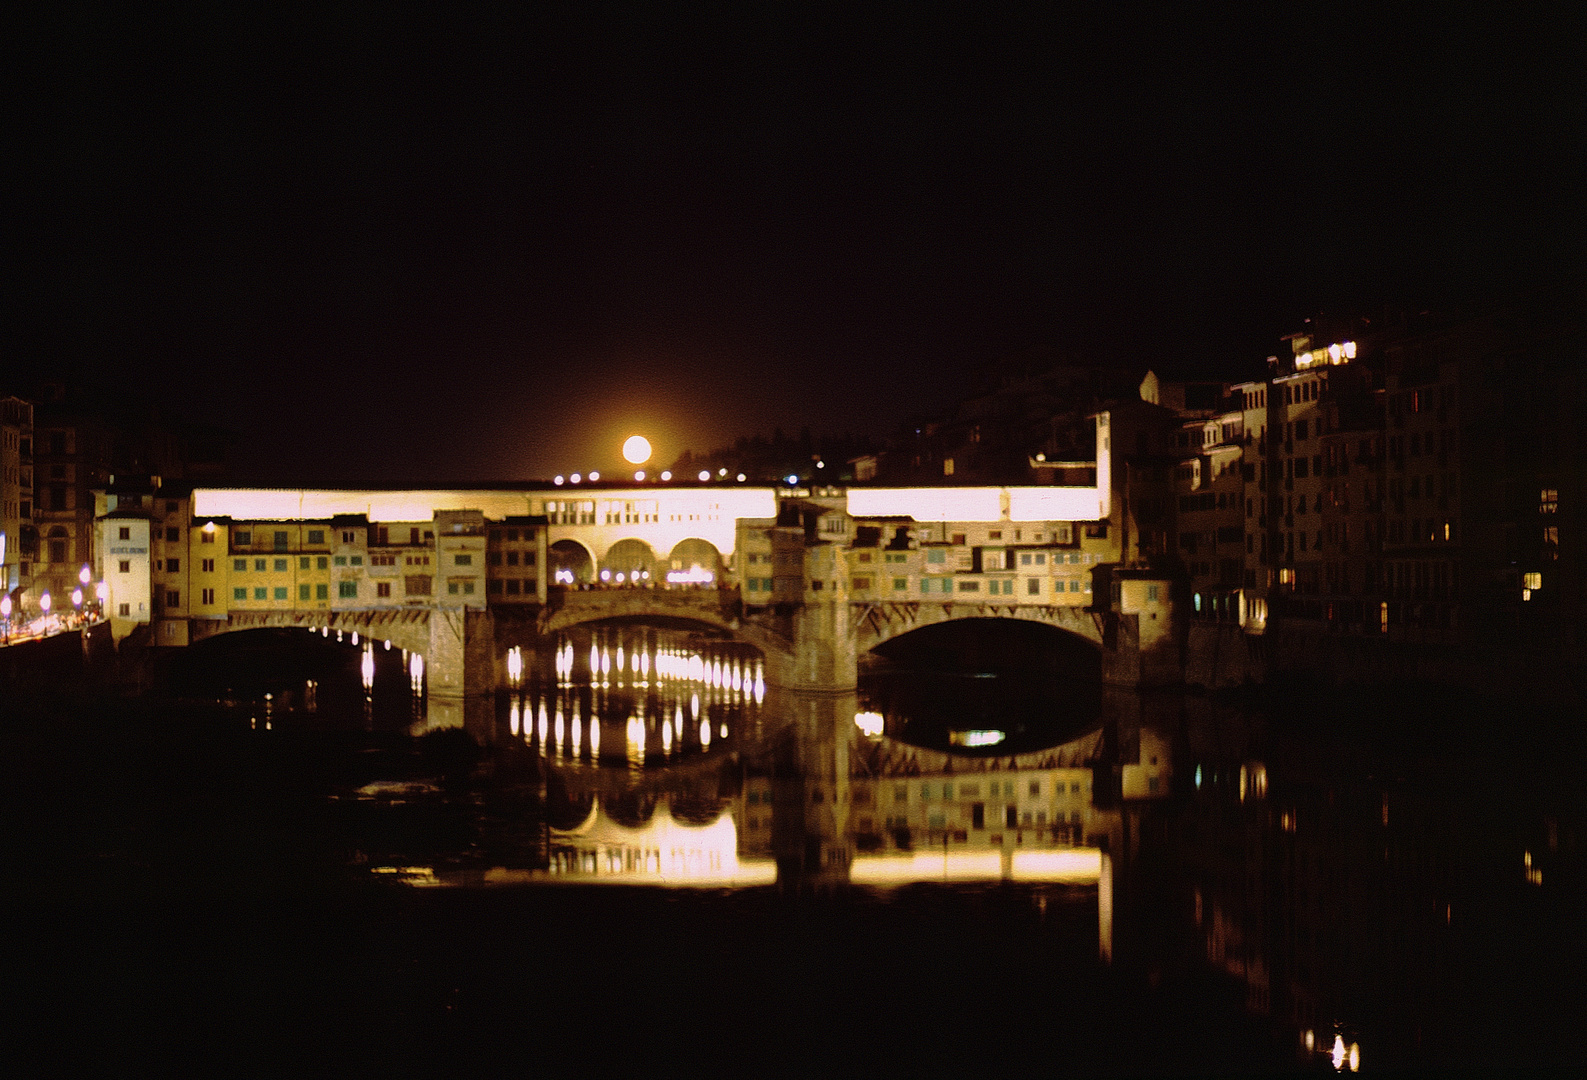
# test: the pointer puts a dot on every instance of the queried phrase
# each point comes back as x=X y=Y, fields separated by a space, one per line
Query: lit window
x=1533 y=581
x=1549 y=502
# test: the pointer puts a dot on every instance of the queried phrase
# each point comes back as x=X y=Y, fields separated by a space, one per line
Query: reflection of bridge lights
x=515 y=664
x=870 y=723
x=705 y=733
x=77 y=598
x=595 y=738
x=514 y=717
x=666 y=739
x=367 y=667
x=694 y=706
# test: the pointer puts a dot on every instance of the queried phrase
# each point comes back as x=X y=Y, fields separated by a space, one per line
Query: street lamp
x=5 y=618
x=44 y=603
x=84 y=574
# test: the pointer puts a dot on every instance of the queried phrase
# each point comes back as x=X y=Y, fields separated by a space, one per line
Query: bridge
x=812 y=577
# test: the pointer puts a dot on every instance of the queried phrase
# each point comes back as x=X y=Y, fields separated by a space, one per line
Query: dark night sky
x=458 y=242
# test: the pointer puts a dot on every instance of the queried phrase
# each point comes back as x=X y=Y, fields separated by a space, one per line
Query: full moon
x=637 y=449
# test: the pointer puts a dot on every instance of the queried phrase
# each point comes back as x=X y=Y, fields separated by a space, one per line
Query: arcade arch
x=694 y=561
x=571 y=563
x=629 y=562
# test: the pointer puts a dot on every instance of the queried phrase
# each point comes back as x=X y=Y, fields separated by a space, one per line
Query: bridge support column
x=812 y=834
x=460 y=668
x=824 y=657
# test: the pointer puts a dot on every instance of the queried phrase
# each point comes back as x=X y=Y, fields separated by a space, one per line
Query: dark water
x=664 y=864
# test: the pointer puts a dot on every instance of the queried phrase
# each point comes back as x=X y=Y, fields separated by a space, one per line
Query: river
x=656 y=860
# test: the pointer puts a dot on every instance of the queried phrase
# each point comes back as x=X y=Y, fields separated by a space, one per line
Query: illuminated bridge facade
x=813 y=577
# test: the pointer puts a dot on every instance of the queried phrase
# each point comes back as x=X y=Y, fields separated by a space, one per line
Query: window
x=321 y=563
x=173 y=598
x=936 y=555
x=239 y=565
x=303 y=562
x=452 y=588
x=173 y=566
x=493 y=558
x=125 y=610
x=1033 y=586
x=316 y=536
x=239 y=594
x=341 y=560
x=207 y=565
x=243 y=538
x=512 y=587
x=261 y=593
x=357 y=560
x=958 y=538
x=280 y=592
x=416 y=585
x=862 y=583
x=303 y=592
x=280 y=565
x=381 y=560
x=322 y=591
x=259 y=565
x=207 y=536
x=994 y=534
x=125 y=566
x=512 y=558
x=900 y=584
x=125 y=532
x=971 y=586
x=347 y=589
x=207 y=596
x=1548 y=502
x=383 y=588
x=349 y=536
x=1151 y=594
x=462 y=559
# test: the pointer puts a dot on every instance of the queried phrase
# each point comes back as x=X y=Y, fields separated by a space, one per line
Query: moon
x=637 y=449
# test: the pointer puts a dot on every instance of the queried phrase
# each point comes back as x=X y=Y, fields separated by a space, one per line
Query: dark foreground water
x=680 y=871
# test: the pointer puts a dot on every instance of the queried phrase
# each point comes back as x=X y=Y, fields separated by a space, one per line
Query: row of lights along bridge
x=636 y=450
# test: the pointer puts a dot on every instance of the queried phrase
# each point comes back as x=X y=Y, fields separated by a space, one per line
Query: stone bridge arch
x=405 y=628
x=876 y=623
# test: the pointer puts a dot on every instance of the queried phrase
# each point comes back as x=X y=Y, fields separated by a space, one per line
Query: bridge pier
x=825 y=658
x=460 y=669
